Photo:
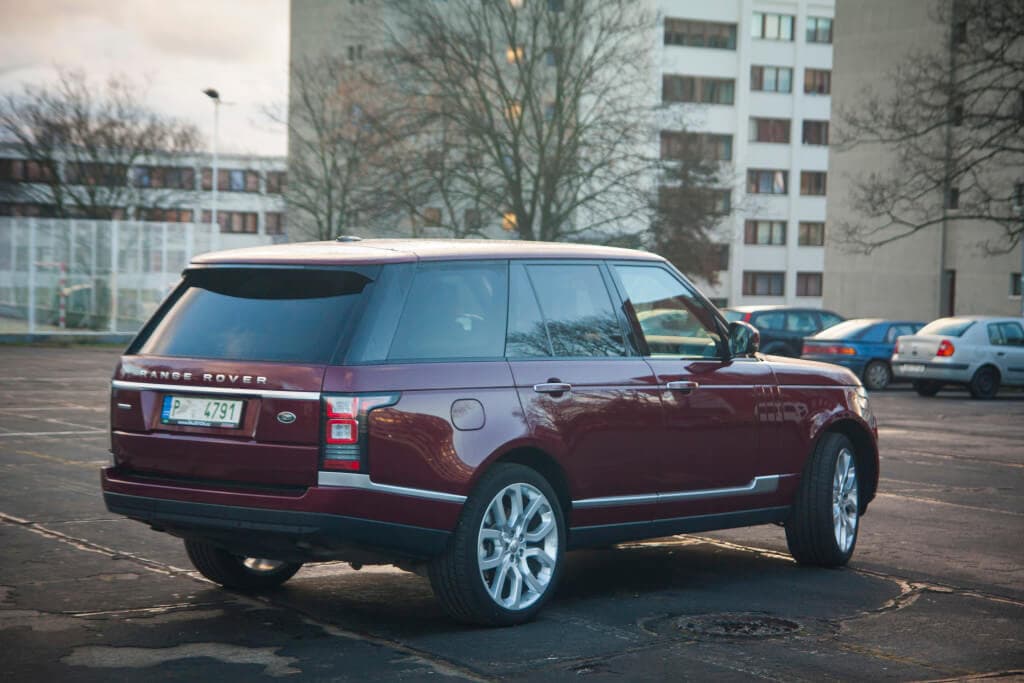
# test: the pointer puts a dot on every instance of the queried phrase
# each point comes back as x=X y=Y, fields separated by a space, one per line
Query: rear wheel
x=877 y=375
x=926 y=387
x=238 y=573
x=505 y=557
x=985 y=383
x=822 y=528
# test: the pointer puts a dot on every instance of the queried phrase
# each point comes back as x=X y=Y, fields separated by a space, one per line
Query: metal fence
x=91 y=277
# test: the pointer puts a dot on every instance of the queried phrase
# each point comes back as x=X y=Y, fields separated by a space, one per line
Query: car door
x=587 y=399
x=716 y=439
x=1007 y=340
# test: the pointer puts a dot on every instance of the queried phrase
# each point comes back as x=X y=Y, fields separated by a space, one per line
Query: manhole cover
x=734 y=626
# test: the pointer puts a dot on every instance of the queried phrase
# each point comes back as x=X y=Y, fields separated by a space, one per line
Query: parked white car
x=980 y=352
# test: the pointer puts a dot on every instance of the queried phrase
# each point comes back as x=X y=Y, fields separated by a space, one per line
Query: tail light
x=946 y=349
x=346 y=425
x=832 y=350
x=747 y=317
x=807 y=350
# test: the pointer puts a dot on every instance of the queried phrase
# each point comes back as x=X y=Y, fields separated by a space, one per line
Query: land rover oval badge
x=285 y=417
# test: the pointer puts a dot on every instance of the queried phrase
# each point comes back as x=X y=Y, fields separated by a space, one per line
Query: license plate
x=195 y=411
x=911 y=368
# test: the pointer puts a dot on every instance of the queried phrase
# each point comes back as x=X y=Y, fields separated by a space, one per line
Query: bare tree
x=954 y=120
x=538 y=111
x=339 y=132
x=81 y=142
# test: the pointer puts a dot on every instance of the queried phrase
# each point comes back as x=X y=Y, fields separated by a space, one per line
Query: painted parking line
x=77 y=432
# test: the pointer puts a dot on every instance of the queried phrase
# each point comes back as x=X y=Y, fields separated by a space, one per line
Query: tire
x=491 y=572
x=238 y=573
x=877 y=375
x=823 y=524
x=927 y=388
x=985 y=383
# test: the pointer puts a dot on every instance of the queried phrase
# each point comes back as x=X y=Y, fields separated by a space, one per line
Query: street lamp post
x=215 y=96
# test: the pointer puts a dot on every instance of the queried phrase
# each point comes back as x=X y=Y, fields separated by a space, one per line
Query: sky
x=173 y=49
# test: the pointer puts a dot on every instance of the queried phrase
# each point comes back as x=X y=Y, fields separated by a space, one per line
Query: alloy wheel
x=517 y=546
x=844 y=501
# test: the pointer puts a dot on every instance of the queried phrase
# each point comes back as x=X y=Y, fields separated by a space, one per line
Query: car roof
x=369 y=251
x=758 y=308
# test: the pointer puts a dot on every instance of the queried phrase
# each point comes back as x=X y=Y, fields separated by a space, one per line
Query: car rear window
x=947 y=327
x=257 y=314
x=851 y=329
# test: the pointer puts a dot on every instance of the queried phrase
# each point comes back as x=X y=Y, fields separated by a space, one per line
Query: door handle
x=552 y=387
x=1000 y=353
x=683 y=387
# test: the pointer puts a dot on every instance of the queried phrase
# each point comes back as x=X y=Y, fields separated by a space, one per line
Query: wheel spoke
x=489 y=562
x=531 y=581
x=515 y=592
x=499 y=582
x=497 y=510
x=531 y=510
x=515 y=494
x=541 y=556
x=541 y=532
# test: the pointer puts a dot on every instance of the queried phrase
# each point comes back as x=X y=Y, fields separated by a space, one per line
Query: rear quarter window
x=257 y=314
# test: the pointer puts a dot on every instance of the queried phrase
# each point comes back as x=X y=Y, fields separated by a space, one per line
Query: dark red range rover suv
x=470 y=410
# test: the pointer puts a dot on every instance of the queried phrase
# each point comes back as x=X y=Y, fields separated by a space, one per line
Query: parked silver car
x=982 y=353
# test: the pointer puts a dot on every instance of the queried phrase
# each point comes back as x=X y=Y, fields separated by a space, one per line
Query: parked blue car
x=864 y=345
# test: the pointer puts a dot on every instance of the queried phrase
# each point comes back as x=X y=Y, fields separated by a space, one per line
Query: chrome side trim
x=765 y=484
x=351 y=480
x=263 y=393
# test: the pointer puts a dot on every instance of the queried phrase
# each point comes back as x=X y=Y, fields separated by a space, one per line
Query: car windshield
x=257 y=314
x=851 y=329
x=946 y=327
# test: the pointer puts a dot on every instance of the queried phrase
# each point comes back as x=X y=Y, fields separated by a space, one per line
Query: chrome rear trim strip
x=183 y=389
x=351 y=480
x=765 y=484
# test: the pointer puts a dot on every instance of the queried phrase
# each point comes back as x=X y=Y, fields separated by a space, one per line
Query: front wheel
x=822 y=527
x=236 y=572
x=504 y=559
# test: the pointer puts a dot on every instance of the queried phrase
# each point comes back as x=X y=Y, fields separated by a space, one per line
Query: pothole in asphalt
x=744 y=625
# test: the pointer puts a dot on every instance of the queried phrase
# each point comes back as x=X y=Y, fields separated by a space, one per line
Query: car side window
x=579 y=319
x=770 y=321
x=453 y=311
x=527 y=336
x=898 y=331
x=1006 y=334
x=802 y=322
x=673 y=321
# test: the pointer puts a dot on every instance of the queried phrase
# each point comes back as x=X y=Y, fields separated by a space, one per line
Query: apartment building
x=168 y=189
x=755 y=78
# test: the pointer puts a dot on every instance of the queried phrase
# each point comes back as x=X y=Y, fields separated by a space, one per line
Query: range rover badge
x=285 y=417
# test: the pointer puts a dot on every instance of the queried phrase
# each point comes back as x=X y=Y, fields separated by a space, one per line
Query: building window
x=817 y=81
x=355 y=53
x=694 y=89
x=761 y=181
x=275 y=182
x=509 y=222
x=12 y=169
x=273 y=223
x=772 y=26
x=769 y=130
x=812 y=182
x=700 y=34
x=771 y=79
x=141 y=176
x=953 y=198
x=166 y=215
x=237 y=179
x=553 y=56
x=550 y=109
x=234 y=221
x=722 y=202
x=811 y=235
x=36 y=172
x=764 y=283
x=808 y=284
x=679 y=145
x=723 y=257
x=1015 y=284
x=471 y=219
x=819 y=30
x=815 y=133
x=765 y=232
x=430 y=216
x=515 y=54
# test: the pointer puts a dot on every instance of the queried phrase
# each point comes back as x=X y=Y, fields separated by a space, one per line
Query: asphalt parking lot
x=935 y=590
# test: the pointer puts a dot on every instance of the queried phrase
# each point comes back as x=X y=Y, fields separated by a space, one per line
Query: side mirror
x=744 y=339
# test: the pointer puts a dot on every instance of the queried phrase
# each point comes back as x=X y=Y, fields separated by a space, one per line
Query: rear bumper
x=943 y=372
x=321 y=523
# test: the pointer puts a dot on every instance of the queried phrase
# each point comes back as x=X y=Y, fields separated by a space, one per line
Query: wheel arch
x=540 y=461
x=866 y=451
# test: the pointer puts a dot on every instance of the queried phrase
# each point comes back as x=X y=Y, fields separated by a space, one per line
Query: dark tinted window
x=947 y=327
x=527 y=335
x=1006 y=334
x=577 y=310
x=803 y=322
x=258 y=314
x=453 y=310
